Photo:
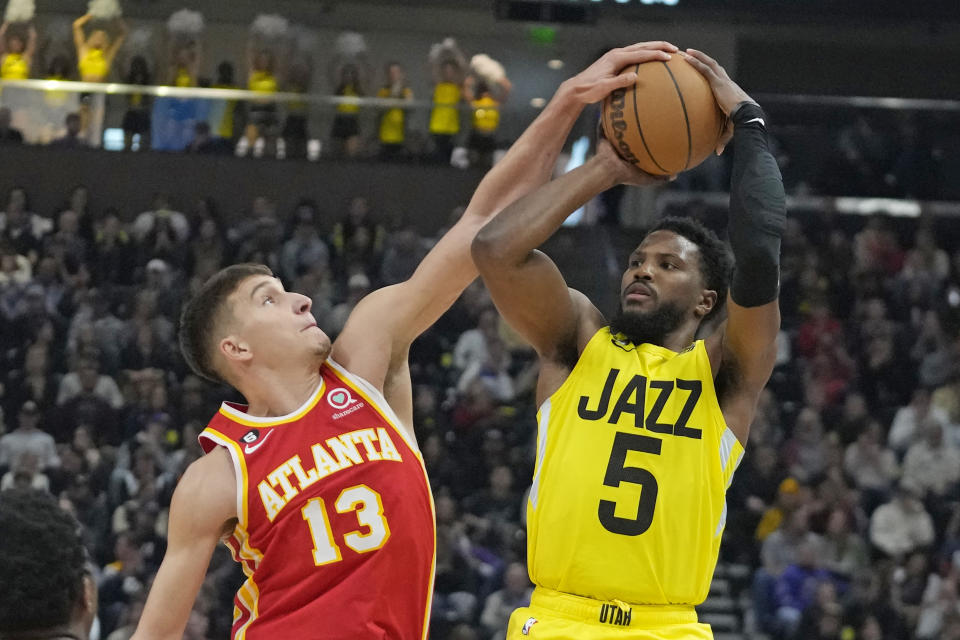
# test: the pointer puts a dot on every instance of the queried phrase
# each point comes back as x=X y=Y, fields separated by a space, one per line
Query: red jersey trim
x=376 y=399
x=229 y=411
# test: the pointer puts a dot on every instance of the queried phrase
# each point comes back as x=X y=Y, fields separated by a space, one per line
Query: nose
x=643 y=271
x=301 y=303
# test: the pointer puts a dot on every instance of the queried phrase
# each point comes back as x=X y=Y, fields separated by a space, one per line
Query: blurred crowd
x=279 y=58
x=847 y=504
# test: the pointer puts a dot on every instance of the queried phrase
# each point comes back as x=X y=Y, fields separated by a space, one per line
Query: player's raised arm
x=525 y=284
x=397 y=315
x=203 y=505
x=745 y=349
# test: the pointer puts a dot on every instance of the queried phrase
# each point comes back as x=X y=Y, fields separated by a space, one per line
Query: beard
x=651 y=327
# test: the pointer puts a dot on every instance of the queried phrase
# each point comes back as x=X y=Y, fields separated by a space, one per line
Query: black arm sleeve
x=757 y=211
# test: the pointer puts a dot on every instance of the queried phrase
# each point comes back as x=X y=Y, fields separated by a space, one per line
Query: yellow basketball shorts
x=559 y=616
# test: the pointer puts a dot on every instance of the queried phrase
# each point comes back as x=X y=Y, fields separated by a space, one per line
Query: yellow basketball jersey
x=14 y=67
x=633 y=463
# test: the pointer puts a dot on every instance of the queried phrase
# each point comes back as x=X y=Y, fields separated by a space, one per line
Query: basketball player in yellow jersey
x=643 y=419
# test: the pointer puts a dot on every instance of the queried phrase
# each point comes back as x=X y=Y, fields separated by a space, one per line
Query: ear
x=85 y=610
x=234 y=349
x=708 y=300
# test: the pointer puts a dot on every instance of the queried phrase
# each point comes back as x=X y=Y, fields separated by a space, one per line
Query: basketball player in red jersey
x=317 y=485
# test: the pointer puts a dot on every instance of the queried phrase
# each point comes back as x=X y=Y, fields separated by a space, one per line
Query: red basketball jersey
x=336 y=527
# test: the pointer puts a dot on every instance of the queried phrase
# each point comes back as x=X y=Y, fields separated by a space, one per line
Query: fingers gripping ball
x=668 y=121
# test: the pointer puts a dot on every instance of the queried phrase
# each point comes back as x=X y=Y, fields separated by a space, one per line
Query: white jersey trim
x=380 y=402
x=542 y=425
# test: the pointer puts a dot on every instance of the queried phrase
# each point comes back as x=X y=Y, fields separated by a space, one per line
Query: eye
x=268 y=299
x=668 y=265
x=634 y=263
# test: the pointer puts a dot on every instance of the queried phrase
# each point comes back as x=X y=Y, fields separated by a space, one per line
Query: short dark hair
x=203 y=314
x=716 y=262
x=42 y=562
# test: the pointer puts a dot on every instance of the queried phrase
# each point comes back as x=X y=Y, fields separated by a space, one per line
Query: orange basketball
x=668 y=122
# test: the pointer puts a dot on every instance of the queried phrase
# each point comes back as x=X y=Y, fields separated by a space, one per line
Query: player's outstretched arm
x=387 y=321
x=525 y=284
x=744 y=350
x=204 y=505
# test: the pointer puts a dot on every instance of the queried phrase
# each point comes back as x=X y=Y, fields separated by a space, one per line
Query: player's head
x=45 y=588
x=678 y=275
x=242 y=320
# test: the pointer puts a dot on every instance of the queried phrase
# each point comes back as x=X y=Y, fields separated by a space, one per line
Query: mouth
x=638 y=292
x=309 y=326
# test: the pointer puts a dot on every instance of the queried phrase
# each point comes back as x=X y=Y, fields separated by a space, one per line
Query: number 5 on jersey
x=369 y=509
x=618 y=472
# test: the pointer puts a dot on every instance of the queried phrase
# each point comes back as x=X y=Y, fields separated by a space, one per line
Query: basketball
x=668 y=121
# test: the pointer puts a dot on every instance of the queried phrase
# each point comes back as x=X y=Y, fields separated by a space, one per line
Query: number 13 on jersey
x=369 y=513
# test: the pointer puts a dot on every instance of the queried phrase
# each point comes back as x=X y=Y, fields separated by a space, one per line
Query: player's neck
x=680 y=339
x=278 y=393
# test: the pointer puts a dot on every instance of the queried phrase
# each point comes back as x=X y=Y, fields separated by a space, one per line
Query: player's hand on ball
x=623 y=171
x=603 y=76
x=727 y=92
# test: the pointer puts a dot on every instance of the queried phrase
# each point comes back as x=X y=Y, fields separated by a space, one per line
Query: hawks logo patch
x=340 y=398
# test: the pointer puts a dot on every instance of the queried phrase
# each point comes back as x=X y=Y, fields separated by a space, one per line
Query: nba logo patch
x=527 y=625
x=250 y=436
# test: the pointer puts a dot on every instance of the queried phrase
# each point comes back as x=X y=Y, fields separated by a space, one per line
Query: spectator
x=447 y=95
x=25 y=473
x=844 y=551
x=403 y=254
x=782 y=547
x=358 y=286
x=305 y=248
x=393 y=124
x=345 y=133
x=136 y=121
x=871 y=465
x=205 y=143
x=932 y=465
x=485 y=96
x=87 y=380
x=471 y=347
x=95 y=53
x=152 y=222
x=907 y=422
x=797 y=586
x=20 y=227
x=8 y=135
x=16 y=54
x=27 y=438
x=357 y=240
x=72 y=139
x=113 y=255
x=500 y=604
x=902 y=525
